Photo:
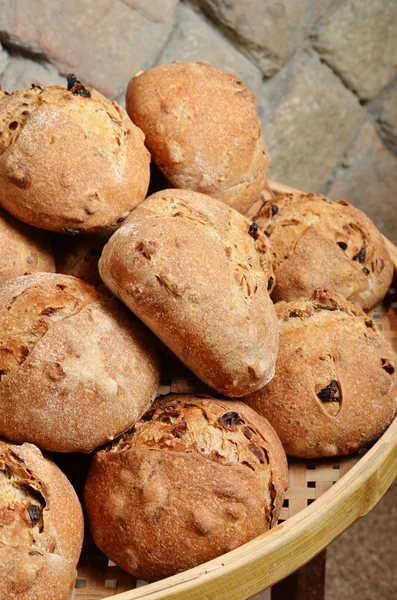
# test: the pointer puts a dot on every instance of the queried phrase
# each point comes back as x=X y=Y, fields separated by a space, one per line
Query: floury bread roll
x=76 y=369
x=41 y=526
x=202 y=130
x=23 y=249
x=197 y=273
x=70 y=159
x=335 y=387
x=318 y=243
x=195 y=478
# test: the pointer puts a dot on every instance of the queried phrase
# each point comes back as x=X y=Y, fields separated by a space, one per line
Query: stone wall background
x=324 y=72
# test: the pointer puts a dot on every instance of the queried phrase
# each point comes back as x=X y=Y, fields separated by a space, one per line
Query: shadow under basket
x=324 y=498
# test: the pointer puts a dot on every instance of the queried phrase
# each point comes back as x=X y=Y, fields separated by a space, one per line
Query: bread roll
x=318 y=243
x=196 y=272
x=334 y=390
x=202 y=130
x=41 y=526
x=75 y=368
x=70 y=160
x=22 y=249
x=195 y=478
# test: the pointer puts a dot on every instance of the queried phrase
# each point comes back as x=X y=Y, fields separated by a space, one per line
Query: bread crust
x=195 y=478
x=76 y=355
x=318 y=243
x=202 y=130
x=187 y=266
x=42 y=527
x=335 y=386
x=67 y=162
x=23 y=249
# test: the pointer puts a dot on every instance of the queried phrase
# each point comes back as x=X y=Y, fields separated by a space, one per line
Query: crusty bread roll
x=195 y=478
x=41 y=526
x=335 y=387
x=78 y=256
x=318 y=243
x=75 y=368
x=196 y=272
x=202 y=130
x=22 y=249
x=70 y=160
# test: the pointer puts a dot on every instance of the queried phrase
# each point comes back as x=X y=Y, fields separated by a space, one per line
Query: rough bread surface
x=188 y=267
x=202 y=130
x=41 y=526
x=195 y=478
x=318 y=243
x=76 y=369
x=68 y=162
x=335 y=386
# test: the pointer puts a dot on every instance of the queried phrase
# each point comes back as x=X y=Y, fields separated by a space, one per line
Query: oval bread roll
x=196 y=272
x=202 y=130
x=195 y=478
x=76 y=370
x=70 y=159
x=41 y=526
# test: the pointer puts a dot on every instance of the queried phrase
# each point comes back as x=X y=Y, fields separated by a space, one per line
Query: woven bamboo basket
x=324 y=498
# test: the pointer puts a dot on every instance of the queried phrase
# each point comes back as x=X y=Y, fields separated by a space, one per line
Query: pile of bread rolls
x=177 y=480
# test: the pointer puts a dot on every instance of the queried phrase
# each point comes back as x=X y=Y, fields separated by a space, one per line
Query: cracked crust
x=221 y=155
x=41 y=526
x=187 y=266
x=92 y=153
x=195 y=478
x=74 y=353
x=320 y=243
x=23 y=249
x=335 y=386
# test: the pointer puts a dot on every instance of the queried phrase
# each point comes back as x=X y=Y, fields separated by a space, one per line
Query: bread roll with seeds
x=335 y=386
x=22 y=249
x=85 y=365
x=196 y=272
x=70 y=159
x=195 y=478
x=202 y=130
x=41 y=526
x=318 y=243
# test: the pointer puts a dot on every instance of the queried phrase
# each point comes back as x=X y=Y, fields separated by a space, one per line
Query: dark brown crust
x=334 y=390
x=44 y=565
x=318 y=243
x=161 y=501
x=222 y=156
x=187 y=266
x=76 y=355
x=91 y=151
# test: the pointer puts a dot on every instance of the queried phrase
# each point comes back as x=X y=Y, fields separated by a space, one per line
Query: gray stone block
x=308 y=118
x=3 y=59
x=21 y=72
x=359 y=41
x=384 y=109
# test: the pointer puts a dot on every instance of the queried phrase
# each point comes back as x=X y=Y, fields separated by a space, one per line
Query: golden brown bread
x=78 y=256
x=195 y=478
x=201 y=127
x=189 y=268
x=335 y=386
x=318 y=243
x=76 y=369
x=69 y=162
x=23 y=249
x=41 y=526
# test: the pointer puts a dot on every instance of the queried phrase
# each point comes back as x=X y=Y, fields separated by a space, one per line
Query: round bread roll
x=201 y=127
x=334 y=390
x=196 y=272
x=70 y=160
x=318 y=243
x=75 y=368
x=78 y=256
x=195 y=478
x=41 y=526
x=22 y=249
